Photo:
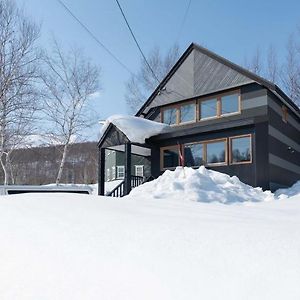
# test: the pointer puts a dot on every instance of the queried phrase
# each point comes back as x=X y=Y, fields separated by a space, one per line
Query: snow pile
x=289 y=192
x=136 y=129
x=67 y=246
x=201 y=185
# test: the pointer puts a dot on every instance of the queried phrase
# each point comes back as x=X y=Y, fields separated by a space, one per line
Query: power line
x=68 y=10
x=184 y=19
x=136 y=42
x=94 y=37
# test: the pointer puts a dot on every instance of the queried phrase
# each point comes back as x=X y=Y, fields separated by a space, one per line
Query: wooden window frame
x=197 y=104
x=162 y=110
x=230 y=150
x=225 y=163
x=162 y=149
x=196 y=143
x=219 y=105
x=179 y=112
x=199 y=119
x=238 y=92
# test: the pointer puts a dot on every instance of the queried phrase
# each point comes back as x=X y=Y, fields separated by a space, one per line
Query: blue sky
x=233 y=29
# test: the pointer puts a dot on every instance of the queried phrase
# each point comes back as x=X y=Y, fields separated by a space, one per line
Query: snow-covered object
x=67 y=246
x=136 y=129
x=201 y=185
x=289 y=192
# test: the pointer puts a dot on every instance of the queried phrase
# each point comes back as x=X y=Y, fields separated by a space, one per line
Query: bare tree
x=255 y=65
x=18 y=75
x=291 y=71
x=70 y=80
x=272 y=70
x=139 y=86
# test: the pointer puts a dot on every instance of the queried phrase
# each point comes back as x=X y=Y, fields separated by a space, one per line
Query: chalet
x=219 y=115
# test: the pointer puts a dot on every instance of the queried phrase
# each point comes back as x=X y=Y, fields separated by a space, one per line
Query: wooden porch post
x=127 y=186
x=101 y=171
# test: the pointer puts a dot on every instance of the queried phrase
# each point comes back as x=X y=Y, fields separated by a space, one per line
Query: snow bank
x=201 y=185
x=67 y=246
x=289 y=192
x=136 y=129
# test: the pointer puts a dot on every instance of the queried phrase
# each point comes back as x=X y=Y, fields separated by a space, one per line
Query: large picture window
x=193 y=155
x=216 y=152
x=170 y=158
x=241 y=151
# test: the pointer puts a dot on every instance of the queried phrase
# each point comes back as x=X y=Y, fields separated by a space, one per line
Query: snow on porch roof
x=136 y=129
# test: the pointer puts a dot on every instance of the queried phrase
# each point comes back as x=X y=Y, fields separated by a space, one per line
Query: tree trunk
x=62 y=163
x=3 y=165
x=11 y=173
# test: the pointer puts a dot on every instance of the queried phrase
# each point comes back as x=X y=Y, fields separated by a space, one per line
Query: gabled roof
x=245 y=78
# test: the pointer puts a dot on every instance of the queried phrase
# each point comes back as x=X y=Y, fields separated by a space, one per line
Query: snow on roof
x=136 y=129
x=201 y=185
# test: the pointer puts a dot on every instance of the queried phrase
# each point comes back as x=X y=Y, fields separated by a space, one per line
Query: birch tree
x=70 y=79
x=18 y=75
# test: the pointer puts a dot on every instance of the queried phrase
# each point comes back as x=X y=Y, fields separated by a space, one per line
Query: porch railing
x=118 y=191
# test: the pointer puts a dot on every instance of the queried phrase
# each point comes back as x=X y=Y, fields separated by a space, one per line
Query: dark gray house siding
x=275 y=144
x=284 y=145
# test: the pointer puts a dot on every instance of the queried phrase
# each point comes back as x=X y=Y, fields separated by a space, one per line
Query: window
x=108 y=174
x=241 y=151
x=208 y=108
x=193 y=155
x=120 y=172
x=170 y=157
x=216 y=152
x=169 y=116
x=139 y=171
x=188 y=113
x=230 y=104
x=216 y=107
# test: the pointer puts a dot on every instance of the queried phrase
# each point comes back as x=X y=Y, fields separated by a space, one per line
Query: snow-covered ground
x=163 y=241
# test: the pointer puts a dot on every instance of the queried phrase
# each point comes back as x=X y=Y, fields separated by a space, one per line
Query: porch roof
x=121 y=129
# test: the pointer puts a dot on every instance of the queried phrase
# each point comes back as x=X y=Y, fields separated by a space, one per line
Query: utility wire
x=94 y=37
x=136 y=42
x=184 y=19
x=68 y=10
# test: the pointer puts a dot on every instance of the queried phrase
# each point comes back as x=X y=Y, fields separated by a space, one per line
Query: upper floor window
x=169 y=116
x=188 y=113
x=206 y=108
x=230 y=104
